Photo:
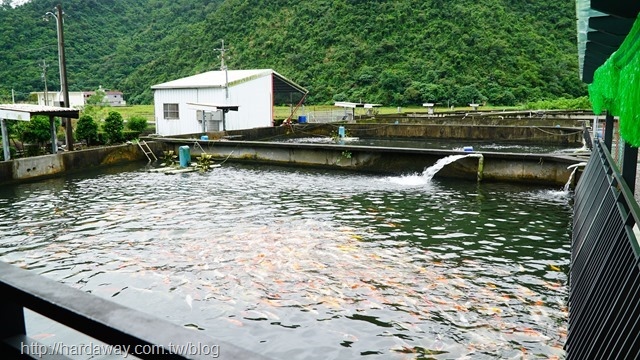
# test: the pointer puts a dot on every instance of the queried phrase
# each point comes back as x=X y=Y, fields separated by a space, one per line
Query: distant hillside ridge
x=397 y=53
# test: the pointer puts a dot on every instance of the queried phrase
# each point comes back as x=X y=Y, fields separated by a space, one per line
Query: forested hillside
x=395 y=52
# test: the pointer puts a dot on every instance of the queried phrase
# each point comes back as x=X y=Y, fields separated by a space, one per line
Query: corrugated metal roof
x=212 y=79
x=218 y=78
x=25 y=111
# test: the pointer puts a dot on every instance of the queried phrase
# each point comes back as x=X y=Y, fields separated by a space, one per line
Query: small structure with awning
x=212 y=114
x=24 y=112
x=350 y=115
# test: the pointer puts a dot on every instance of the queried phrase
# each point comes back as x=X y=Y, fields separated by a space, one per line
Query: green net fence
x=616 y=86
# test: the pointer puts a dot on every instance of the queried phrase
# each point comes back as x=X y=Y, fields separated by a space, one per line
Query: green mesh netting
x=616 y=86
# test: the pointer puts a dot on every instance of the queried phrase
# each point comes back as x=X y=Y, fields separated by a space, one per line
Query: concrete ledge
x=543 y=133
x=542 y=169
x=39 y=167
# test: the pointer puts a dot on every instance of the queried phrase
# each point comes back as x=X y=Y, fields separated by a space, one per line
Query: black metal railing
x=142 y=335
x=604 y=280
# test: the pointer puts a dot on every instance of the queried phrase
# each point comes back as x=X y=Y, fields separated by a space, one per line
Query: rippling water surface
x=448 y=144
x=306 y=264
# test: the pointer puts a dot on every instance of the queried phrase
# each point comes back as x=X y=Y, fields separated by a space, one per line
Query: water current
x=310 y=264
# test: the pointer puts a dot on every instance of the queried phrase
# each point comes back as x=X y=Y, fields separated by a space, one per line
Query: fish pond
x=442 y=144
x=309 y=264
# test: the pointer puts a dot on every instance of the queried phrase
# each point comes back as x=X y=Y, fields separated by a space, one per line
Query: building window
x=171 y=112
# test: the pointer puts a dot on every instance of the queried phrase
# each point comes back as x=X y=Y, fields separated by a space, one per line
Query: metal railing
x=604 y=298
x=141 y=335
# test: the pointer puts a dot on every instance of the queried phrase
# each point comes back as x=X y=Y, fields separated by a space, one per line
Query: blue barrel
x=341 y=131
x=204 y=137
x=184 y=155
x=302 y=119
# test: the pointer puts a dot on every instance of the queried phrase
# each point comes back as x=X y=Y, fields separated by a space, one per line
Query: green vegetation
x=87 y=130
x=36 y=131
x=169 y=159
x=141 y=111
x=113 y=126
x=204 y=162
x=581 y=103
x=137 y=123
x=398 y=53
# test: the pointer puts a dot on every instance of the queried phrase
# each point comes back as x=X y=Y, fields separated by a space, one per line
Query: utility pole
x=64 y=89
x=63 y=78
x=223 y=67
x=44 y=77
x=13 y=96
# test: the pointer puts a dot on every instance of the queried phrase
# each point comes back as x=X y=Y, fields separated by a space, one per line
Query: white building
x=55 y=98
x=111 y=97
x=181 y=104
x=78 y=99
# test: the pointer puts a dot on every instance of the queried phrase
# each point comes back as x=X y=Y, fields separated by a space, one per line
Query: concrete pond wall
x=242 y=146
x=40 y=167
x=569 y=133
x=544 y=169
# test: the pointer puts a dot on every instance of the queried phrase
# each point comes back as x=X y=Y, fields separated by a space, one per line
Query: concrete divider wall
x=565 y=134
x=543 y=169
x=38 y=167
x=528 y=168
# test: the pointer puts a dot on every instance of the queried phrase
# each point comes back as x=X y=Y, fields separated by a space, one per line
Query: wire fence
x=333 y=115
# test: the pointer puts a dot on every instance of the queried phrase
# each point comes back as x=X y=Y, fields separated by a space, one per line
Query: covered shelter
x=602 y=27
x=246 y=99
x=352 y=105
x=24 y=112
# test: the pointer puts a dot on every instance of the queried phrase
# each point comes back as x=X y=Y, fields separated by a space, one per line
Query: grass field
x=282 y=112
x=127 y=112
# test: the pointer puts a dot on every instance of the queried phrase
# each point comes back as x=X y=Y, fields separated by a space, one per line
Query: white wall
x=253 y=98
x=187 y=122
x=76 y=99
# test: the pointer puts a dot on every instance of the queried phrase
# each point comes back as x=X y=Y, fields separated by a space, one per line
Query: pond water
x=448 y=144
x=310 y=264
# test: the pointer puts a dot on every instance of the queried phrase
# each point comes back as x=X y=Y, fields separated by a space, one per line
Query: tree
x=96 y=105
x=470 y=94
x=113 y=126
x=37 y=131
x=87 y=129
x=354 y=49
x=137 y=123
x=432 y=93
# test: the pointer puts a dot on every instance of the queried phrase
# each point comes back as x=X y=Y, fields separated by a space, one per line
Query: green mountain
x=394 y=52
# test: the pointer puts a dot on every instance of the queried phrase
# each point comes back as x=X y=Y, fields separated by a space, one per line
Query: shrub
x=12 y=153
x=137 y=123
x=580 y=103
x=87 y=129
x=36 y=131
x=129 y=135
x=113 y=126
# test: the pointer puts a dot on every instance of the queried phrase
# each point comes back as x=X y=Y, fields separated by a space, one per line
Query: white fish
x=189 y=301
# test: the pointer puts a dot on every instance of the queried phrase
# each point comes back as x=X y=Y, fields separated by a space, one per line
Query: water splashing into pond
x=431 y=171
x=307 y=264
x=428 y=173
